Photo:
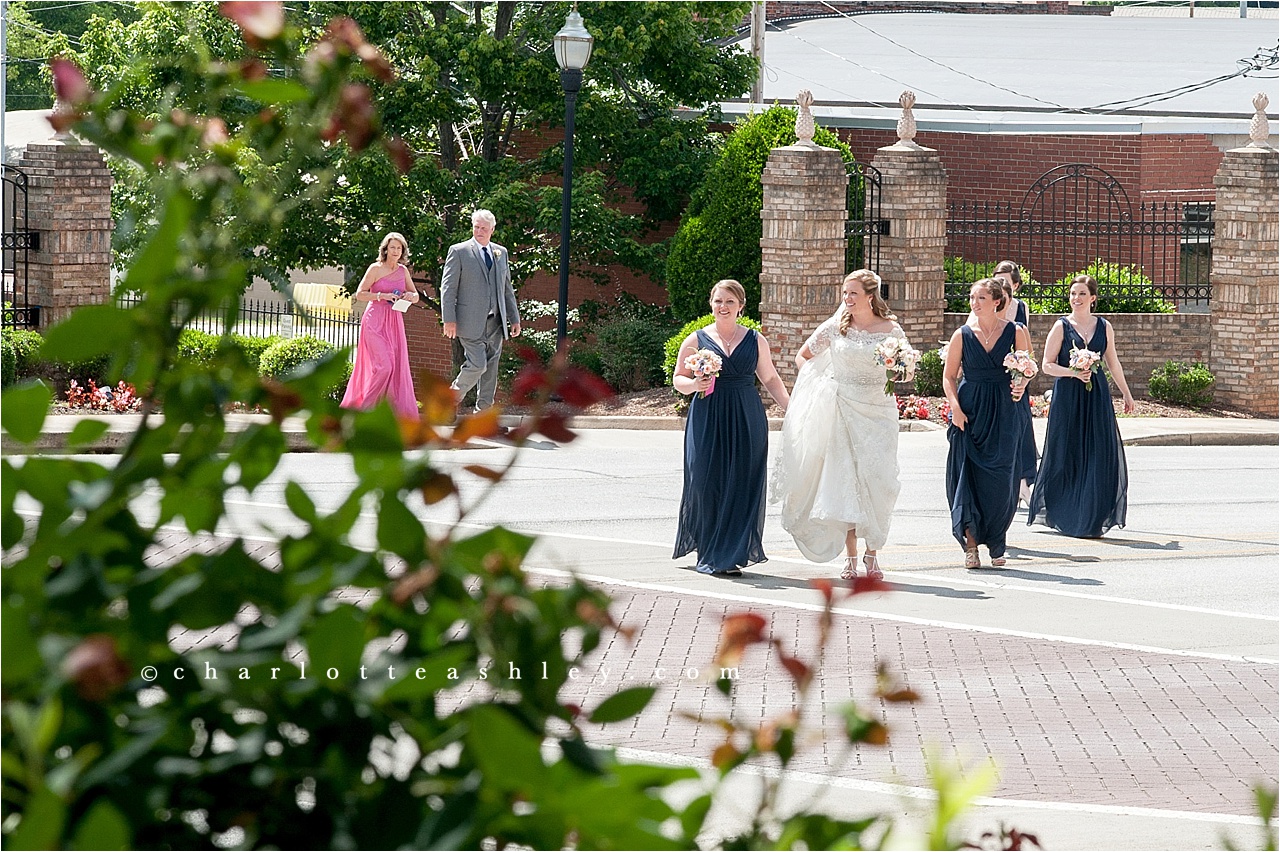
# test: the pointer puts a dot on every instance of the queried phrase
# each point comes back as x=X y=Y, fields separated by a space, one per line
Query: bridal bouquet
x=1084 y=360
x=898 y=359
x=1021 y=366
x=704 y=362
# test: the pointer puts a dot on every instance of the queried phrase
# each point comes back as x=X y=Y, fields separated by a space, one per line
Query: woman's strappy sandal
x=997 y=562
x=850 y=571
x=872 y=564
x=971 y=559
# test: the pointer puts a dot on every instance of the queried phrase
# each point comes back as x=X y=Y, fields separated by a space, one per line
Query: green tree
x=719 y=236
x=39 y=30
x=476 y=85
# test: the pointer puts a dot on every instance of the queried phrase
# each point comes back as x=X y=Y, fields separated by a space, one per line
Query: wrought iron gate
x=864 y=225
x=16 y=245
x=1150 y=257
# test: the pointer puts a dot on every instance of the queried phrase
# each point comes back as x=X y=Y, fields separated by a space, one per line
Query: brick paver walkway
x=1065 y=722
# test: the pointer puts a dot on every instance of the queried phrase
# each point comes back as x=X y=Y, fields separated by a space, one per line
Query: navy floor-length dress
x=726 y=445
x=1083 y=484
x=983 y=462
x=1027 y=457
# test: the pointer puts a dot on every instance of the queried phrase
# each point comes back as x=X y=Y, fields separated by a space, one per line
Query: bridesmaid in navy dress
x=726 y=440
x=986 y=426
x=1010 y=275
x=1082 y=488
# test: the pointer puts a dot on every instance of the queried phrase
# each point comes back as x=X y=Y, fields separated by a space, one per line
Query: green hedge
x=928 y=381
x=20 y=350
x=285 y=356
x=1122 y=289
x=719 y=236
x=199 y=347
x=1180 y=383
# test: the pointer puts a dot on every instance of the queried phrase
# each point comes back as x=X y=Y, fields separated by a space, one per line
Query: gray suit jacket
x=469 y=289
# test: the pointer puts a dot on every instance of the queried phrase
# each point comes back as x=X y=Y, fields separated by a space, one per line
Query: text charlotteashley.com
x=297 y=671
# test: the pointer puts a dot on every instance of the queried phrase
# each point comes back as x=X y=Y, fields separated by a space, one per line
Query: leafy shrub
x=929 y=374
x=958 y=270
x=253 y=347
x=197 y=347
x=719 y=236
x=630 y=344
x=541 y=341
x=672 y=349
x=20 y=348
x=283 y=358
x=1122 y=289
x=1179 y=383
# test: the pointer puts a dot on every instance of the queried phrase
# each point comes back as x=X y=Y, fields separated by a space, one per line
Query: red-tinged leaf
x=400 y=153
x=864 y=585
x=532 y=382
x=484 y=472
x=554 y=426
x=825 y=587
x=376 y=63
x=737 y=632
x=415 y=433
x=95 y=668
x=253 y=69
x=581 y=388
x=767 y=736
x=574 y=710
x=215 y=133
x=412 y=584
x=901 y=695
x=724 y=755
x=876 y=734
x=800 y=673
x=482 y=424
x=282 y=400
x=259 y=20
x=438 y=487
x=356 y=115
x=69 y=83
x=439 y=401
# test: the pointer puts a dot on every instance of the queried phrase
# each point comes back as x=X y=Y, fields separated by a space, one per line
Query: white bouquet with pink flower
x=1084 y=361
x=898 y=359
x=704 y=362
x=1021 y=366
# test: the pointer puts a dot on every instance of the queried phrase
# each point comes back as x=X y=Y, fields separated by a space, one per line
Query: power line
x=930 y=59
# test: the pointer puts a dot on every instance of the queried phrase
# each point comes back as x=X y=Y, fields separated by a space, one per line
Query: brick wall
x=1143 y=342
x=1001 y=167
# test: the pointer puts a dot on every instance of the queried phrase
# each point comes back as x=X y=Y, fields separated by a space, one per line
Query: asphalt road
x=1126 y=688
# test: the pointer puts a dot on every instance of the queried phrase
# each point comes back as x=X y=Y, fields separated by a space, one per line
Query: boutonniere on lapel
x=497 y=253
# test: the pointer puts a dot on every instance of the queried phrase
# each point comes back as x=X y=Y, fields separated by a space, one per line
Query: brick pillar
x=1246 y=236
x=69 y=193
x=914 y=200
x=802 y=246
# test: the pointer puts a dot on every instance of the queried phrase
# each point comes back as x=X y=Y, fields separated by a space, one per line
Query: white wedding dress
x=838 y=464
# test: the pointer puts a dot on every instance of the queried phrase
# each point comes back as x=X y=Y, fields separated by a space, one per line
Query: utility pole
x=757 y=50
x=4 y=73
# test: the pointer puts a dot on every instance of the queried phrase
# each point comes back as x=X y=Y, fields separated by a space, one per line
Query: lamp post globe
x=573 y=49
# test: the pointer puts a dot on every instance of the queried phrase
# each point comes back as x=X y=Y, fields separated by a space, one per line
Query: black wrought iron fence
x=1152 y=257
x=865 y=223
x=17 y=241
x=264 y=318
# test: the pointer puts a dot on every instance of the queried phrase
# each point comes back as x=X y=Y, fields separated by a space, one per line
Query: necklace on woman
x=986 y=336
x=726 y=343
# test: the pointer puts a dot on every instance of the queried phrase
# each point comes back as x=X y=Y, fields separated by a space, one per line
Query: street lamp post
x=573 y=49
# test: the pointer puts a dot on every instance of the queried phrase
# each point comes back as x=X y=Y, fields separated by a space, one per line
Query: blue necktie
x=488 y=259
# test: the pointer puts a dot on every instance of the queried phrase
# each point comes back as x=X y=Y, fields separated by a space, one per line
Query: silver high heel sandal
x=850 y=571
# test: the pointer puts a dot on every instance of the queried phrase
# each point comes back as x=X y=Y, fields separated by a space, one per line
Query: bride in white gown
x=837 y=472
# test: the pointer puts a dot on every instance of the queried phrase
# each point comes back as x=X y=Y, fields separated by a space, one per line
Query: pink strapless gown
x=382 y=355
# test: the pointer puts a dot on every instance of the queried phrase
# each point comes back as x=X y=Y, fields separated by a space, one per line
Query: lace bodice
x=853 y=355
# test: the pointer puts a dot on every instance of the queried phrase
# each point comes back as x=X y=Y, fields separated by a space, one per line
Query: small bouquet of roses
x=1084 y=360
x=1021 y=366
x=898 y=359
x=704 y=362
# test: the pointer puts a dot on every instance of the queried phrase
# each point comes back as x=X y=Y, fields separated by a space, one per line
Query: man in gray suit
x=478 y=304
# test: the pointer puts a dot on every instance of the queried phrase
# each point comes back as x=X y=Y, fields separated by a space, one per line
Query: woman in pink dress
x=382 y=355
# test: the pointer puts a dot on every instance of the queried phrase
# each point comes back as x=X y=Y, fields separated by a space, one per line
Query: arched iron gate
x=864 y=225
x=1150 y=257
x=16 y=245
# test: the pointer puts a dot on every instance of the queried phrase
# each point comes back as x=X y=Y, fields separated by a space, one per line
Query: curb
x=121 y=430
